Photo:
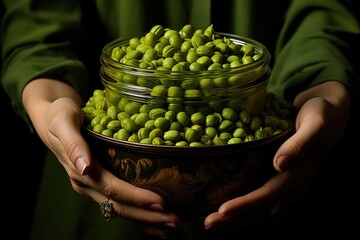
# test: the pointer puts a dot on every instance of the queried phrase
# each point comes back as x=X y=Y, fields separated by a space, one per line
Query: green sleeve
x=41 y=39
x=318 y=42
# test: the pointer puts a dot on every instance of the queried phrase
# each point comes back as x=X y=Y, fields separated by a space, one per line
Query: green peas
x=163 y=101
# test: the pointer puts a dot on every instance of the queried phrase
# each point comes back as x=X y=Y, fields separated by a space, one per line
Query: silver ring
x=107 y=210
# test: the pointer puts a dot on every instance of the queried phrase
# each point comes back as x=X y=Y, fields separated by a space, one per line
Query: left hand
x=320 y=123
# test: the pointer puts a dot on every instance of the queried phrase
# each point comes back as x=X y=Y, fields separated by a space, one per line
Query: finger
x=305 y=138
x=228 y=223
x=112 y=187
x=64 y=124
x=254 y=204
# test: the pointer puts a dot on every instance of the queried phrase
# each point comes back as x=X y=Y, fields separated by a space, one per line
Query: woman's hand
x=320 y=123
x=54 y=109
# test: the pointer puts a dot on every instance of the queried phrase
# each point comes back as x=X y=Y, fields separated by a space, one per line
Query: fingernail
x=171 y=225
x=157 y=207
x=282 y=162
x=81 y=166
x=208 y=227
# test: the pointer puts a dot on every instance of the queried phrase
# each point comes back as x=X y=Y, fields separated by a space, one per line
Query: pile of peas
x=186 y=124
x=188 y=49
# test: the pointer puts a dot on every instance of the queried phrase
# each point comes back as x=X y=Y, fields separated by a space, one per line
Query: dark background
x=22 y=156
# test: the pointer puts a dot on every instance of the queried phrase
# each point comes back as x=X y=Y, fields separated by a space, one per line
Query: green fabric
x=64 y=38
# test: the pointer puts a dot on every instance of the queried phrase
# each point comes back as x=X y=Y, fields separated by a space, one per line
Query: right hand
x=54 y=108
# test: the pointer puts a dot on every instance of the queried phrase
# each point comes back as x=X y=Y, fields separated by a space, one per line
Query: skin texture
x=54 y=109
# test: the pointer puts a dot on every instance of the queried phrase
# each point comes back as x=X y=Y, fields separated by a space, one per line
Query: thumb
x=298 y=145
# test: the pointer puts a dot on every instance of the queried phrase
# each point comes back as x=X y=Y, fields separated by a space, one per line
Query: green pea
x=195 y=66
x=150 y=39
x=192 y=135
x=226 y=125
x=175 y=126
x=235 y=140
x=98 y=128
x=225 y=135
x=219 y=141
x=182 y=144
x=172 y=135
x=239 y=132
x=95 y=121
x=149 y=55
x=260 y=134
x=143 y=133
x=169 y=62
x=162 y=123
x=156 y=113
x=183 y=119
x=197 y=118
x=134 y=138
x=192 y=93
x=132 y=107
x=146 y=141
x=123 y=134
x=175 y=91
x=105 y=120
x=112 y=111
x=141 y=119
x=107 y=132
x=134 y=54
x=215 y=66
x=114 y=125
x=156 y=132
x=186 y=46
x=159 y=91
x=229 y=114
x=150 y=124
x=245 y=117
x=206 y=84
x=206 y=140
x=283 y=124
x=255 y=123
x=196 y=144
x=158 y=30
x=192 y=57
x=168 y=51
x=176 y=41
x=129 y=125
